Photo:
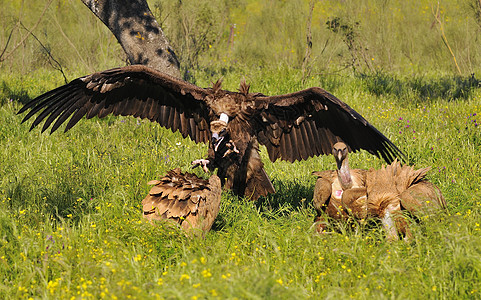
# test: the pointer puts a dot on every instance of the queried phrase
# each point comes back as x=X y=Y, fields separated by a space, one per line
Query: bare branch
x=59 y=66
x=307 y=56
x=6 y=45
x=27 y=35
x=437 y=17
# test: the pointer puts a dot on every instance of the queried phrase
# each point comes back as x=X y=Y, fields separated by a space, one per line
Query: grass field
x=70 y=214
x=71 y=226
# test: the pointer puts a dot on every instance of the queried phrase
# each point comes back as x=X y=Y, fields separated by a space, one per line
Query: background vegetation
x=70 y=221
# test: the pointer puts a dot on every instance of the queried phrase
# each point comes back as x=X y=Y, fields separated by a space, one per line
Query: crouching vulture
x=293 y=127
x=383 y=194
x=184 y=198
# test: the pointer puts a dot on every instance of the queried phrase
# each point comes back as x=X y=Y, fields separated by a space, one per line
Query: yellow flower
x=184 y=276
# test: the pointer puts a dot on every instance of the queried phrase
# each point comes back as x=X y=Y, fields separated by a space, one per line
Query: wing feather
x=315 y=120
x=53 y=110
x=136 y=91
x=304 y=137
x=294 y=143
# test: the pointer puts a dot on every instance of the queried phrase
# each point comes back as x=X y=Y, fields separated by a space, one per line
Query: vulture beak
x=339 y=155
x=216 y=140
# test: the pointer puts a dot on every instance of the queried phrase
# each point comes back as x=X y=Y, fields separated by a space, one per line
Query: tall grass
x=368 y=36
x=70 y=213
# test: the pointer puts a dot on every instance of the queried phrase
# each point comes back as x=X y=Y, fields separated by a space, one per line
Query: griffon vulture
x=332 y=187
x=186 y=199
x=293 y=127
x=383 y=194
x=396 y=188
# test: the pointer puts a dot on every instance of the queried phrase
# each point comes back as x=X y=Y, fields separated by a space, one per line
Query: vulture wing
x=308 y=123
x=136 y=91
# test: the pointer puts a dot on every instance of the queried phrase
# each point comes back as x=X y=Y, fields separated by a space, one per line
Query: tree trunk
x=137 y=31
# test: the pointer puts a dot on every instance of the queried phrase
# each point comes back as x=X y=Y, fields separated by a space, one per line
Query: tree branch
x=59 y=66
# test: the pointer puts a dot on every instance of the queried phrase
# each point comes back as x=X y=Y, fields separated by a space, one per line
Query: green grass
x=390 y=36
x=71 y=224
x=70 y=213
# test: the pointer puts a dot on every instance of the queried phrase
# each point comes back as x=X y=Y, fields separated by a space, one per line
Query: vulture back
x=184 y=198
x=397 y=188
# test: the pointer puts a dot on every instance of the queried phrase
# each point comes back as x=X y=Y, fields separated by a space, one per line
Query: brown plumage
x=293 y=127
x=184 y=198
x=396 y=188
x=332 y=186
x=383 y=194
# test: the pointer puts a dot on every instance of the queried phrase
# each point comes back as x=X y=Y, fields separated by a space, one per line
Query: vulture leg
x=250 y=179
x=383 y=199
x=390 y=220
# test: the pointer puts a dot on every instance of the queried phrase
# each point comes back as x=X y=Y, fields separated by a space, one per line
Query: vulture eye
x=222 y=131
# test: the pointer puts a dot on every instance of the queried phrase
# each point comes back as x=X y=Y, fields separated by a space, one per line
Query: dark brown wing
x=308 y=123
x=136 y=91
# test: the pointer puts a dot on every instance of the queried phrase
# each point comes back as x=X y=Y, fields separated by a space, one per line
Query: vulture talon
x=201 y=162
x=232 y=146
x=231 y=149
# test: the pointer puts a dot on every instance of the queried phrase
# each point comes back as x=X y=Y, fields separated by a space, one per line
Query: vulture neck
x=344 y=173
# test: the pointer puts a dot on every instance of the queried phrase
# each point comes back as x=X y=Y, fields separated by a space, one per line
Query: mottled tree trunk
x=137 y=31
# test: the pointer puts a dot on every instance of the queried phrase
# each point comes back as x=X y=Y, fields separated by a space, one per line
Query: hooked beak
x=339 y=155
x=216 y=140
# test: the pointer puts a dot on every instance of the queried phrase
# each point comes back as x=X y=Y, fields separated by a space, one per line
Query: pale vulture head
x=340 y=151
x=219 y=131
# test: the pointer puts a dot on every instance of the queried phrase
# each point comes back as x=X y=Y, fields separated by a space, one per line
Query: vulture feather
x=383 y=194
x=293 y=127
x=184 y=198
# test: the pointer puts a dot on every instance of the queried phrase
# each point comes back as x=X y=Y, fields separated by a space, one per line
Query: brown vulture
x=383 y=194
x=332 y=187
x=185 y=199
x=293 y=127
x=396 y=188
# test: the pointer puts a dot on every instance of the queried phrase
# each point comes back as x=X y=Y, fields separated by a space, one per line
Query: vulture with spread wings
x=293 y=127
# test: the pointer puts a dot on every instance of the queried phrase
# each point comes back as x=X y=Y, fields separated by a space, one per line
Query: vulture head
x=219 y=131
x=294 y=126
x=340 y=152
